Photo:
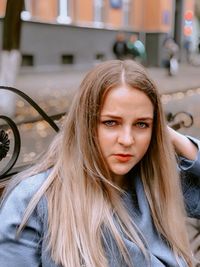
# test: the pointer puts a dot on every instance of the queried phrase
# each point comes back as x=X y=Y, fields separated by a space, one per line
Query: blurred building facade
x=76 y=32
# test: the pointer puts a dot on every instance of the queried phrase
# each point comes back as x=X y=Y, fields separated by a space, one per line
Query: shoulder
x=19 y=197
x=31 y=184
x=27 y=246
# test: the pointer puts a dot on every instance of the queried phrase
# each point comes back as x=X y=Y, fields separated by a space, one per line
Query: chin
x=121 y=169
x=121 y=172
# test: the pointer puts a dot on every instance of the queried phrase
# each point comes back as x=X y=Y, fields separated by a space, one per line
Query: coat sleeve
x=26 y=249
x=190 y=180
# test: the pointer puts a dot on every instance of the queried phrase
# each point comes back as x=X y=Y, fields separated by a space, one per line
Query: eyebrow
x=149 y=118
x=145 y=118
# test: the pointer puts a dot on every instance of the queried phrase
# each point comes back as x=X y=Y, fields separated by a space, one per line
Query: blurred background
x=47 y=46
x=59 y=32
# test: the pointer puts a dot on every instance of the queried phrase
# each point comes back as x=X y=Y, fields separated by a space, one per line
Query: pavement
x=44 y=83
x=187 y=78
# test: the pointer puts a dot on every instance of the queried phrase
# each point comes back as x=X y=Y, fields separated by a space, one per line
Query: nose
x=126 y=137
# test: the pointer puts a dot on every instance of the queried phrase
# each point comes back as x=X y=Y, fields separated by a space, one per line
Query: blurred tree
x=12 y=25
x=197 y=9
x=10 y=54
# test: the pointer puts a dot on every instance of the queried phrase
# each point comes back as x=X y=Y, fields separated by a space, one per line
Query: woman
x=107 y=191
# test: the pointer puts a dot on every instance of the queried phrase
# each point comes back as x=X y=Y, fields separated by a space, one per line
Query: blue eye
x=110 y=123
x=142 y=125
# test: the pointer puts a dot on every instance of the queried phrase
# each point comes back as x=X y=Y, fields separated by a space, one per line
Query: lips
x=123 y=157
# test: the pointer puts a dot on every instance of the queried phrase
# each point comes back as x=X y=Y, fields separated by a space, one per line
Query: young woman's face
x=124 y=129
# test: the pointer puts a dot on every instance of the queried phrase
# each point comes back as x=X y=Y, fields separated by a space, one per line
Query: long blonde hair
x=81 y=196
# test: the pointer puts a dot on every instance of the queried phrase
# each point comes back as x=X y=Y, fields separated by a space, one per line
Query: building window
x=99 y=12
x=64 y=11
x=26 y=14
x=126 y=12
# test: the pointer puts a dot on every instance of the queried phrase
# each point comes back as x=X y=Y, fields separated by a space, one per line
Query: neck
x=120 y=181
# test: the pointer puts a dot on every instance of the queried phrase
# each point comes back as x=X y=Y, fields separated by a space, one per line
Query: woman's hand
x=182 y=145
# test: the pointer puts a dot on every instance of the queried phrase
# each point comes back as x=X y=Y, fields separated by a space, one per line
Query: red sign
x=188 y=15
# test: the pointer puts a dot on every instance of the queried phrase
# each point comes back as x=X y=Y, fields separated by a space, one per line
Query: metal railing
x=9 y=169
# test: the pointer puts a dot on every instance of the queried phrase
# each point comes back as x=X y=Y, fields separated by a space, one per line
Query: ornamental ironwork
x=4 y=144
x=8 y=169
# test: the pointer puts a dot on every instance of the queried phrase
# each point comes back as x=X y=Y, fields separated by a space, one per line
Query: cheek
x=106 y=140
x=144 y=143
x=105 y=135
x=102 y=138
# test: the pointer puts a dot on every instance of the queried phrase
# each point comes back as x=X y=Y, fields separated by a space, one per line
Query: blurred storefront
x=76 y=32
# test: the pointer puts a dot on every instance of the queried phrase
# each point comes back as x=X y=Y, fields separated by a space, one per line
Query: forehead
x=126 y=100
